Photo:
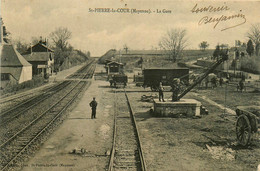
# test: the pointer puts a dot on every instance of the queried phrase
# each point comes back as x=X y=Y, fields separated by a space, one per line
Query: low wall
x=186 y=107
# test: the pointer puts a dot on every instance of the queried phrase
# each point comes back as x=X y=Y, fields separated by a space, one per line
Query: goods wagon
x=153 y=76
x=117 y=80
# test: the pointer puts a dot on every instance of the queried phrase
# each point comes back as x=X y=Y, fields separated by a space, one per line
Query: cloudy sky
x=99 y=32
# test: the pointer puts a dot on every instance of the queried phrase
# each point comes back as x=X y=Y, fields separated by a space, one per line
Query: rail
x=143 y=164
x=43 y=129
x=39 y=124
x=139 y=145
x=26 y=105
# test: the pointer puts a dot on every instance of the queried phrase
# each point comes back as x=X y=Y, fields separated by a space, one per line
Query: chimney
x=2 y=31
x=40 y=39
x=31 y=48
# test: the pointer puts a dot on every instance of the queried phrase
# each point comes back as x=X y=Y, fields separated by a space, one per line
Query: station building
x=41 y=57
x=14 y=68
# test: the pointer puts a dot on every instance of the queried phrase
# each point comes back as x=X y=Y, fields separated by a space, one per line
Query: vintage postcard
x=129 y=85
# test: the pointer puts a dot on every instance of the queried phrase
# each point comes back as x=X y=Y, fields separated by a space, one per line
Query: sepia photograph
x=129 y=85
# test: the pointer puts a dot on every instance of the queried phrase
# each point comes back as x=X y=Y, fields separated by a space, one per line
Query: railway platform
x=80 y=143
x=63 y=74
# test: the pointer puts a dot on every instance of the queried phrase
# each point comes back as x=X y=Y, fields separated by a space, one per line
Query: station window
x=5 y=76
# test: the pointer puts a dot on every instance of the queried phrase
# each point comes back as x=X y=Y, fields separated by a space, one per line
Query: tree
x=243 y=45
x=174 y=42
x=203 y=45
x=216 y=52
x=223 y=46
x=254 y=35
x=21 y=45
x=126 y=48
x=35 y=40
x=250 y=47
x=60 y=38
x=88 y=54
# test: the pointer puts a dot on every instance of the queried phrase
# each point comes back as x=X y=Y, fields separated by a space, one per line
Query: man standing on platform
x=161 y=92
x=93 y=105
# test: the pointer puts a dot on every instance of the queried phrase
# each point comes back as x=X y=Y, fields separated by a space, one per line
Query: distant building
x=141 y=53
x=114 y=67
x=14 y=68
x=41 y=57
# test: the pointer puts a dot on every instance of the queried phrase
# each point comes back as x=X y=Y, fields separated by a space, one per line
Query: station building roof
x=39 y=47
x=37 y=56
x=11 y=57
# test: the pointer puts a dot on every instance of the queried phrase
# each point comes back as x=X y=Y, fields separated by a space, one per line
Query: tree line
x=59 y=42
x=175 y=41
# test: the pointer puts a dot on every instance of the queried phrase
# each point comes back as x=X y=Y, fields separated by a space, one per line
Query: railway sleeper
x=126 y=157
x=126 y=167
x=13 y=148
x=22 y=143
x=126 y=153
x=123 y=162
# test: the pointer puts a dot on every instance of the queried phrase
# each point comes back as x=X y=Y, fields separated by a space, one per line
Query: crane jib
x=214 y=66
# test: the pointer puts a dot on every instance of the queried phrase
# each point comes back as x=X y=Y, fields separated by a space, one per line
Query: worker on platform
x=213 y=82
x=161 y=92
x=221 y=81
x=176 y=88
x=241 y=85
x=93 y=104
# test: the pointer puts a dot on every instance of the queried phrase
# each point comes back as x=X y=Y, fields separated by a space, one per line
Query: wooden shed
x=114 y=67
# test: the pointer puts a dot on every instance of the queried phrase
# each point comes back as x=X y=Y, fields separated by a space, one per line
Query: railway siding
x=126 y=148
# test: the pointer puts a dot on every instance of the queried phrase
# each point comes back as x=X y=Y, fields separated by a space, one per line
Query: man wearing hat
x=93 y=105
x=161 y=92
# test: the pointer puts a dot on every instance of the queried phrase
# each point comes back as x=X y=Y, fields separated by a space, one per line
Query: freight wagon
x=117 y=80
x=153 y=76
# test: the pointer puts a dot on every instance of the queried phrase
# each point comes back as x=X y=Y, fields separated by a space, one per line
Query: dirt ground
x=181 y=144
x=80 y=133
x=208 y=143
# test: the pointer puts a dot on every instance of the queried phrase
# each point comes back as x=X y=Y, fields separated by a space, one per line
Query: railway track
x=22 y=96
x=126 y=153
x=84 y=72
x=17 y=110
x=18 y=143
x=13 y=147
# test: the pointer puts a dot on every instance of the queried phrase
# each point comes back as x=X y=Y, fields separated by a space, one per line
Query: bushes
x=65 y=60
x=251 y=64
x=35 y=82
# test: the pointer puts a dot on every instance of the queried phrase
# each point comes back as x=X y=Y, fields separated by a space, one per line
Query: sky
x=98 y=32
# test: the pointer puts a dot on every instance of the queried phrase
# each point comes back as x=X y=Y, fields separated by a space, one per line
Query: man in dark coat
x=241 y=85
x=221 y=81
x=161 y=92
x=93 y=105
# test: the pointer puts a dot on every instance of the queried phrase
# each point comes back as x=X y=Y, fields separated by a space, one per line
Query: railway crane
x=248 y=117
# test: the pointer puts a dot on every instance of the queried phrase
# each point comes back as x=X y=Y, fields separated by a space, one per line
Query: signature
x=209 y=8
x=223 y=18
